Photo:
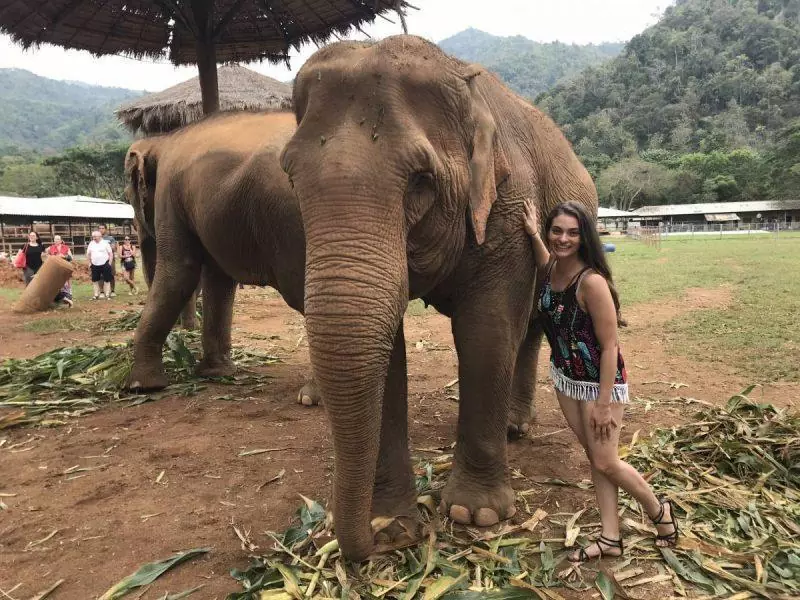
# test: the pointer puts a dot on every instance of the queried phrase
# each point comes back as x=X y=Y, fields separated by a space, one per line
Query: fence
x=76 y=235
x=692 y=229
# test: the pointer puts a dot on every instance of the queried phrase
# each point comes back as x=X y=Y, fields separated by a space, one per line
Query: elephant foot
x=215 y=368
x=394 y=533
x=520 y=416
x=309 y=394
x=477 y=504
x=146 y=379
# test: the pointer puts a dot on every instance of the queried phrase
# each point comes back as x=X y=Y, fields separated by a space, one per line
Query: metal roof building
x=71 y=217
x=614 y=213
x=720 y=212
x=63 y=207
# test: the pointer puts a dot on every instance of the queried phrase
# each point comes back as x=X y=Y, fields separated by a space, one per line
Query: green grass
x=759 y=333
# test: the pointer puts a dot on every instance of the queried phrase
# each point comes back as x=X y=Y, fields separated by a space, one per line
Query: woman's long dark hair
x=591 y=248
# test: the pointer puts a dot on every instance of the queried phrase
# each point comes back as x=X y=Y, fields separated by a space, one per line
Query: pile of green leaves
x=735 y=473
x=69 y=382
x=125 y=320
x=305 y=561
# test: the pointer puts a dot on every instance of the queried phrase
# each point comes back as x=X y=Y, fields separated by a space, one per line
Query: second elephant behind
x=211 y=199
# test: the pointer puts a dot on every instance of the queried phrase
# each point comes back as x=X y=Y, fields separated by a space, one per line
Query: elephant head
x=141 y=161
x=396 y=163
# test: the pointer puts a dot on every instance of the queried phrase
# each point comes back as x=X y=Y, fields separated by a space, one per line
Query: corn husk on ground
x=69 y=382
x=733 y=475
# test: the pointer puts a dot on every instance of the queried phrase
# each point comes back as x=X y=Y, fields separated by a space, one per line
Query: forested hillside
x=528 y=67
x=703 y=106
x=47 y=115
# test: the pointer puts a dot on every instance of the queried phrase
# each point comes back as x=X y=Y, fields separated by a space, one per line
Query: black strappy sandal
x=670 y=538
x=601 y=541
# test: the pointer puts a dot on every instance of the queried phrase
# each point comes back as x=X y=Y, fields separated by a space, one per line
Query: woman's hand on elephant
x=531 y=218
x=602 y=421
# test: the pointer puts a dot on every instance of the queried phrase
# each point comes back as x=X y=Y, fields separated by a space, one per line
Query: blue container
x=609 y=248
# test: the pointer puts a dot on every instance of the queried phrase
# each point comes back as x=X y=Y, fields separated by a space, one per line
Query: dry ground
x=111 y=519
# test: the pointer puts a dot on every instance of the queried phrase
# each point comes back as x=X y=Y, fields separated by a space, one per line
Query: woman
x=100 y=257
x=127 y=253
x=59 y=248
x=33 y=251
x=579 y=308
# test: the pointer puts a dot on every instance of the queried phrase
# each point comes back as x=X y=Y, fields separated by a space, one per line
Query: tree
x=634 y=182
x=96 y=171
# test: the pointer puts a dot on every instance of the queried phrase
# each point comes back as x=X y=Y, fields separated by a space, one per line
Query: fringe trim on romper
x=585 y=391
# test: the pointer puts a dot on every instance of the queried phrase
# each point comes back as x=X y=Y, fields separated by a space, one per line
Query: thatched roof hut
x=239 y=89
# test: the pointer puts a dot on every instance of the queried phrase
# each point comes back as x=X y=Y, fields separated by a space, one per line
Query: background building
x=71 y=217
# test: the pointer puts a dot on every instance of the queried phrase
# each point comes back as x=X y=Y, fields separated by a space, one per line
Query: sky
x=569 y=21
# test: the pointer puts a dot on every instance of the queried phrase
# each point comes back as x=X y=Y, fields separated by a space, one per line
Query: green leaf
x=149 y=573
x=603 y=583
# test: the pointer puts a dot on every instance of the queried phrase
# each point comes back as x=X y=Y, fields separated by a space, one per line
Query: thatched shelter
x=201 y=32
x=239 y=89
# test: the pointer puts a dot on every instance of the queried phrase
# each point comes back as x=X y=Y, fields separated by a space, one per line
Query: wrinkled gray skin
x=411 y=169
x=212 y=198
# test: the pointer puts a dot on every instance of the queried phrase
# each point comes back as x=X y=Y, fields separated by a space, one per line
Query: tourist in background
x=30 y=257
x=113 y=243
x=59 y=248
x=101 y=257
x=127 y=253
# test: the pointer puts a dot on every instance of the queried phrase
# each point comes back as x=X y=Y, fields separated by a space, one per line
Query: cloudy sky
x=571 y=21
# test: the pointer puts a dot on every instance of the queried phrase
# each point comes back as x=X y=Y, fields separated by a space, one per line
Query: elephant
x=211 y=198
x=411 y=169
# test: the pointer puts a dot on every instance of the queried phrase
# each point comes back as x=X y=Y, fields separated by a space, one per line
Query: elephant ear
x=488 y=165
x=140 y=185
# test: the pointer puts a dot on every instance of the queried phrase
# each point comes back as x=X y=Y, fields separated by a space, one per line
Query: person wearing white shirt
x=100 y=258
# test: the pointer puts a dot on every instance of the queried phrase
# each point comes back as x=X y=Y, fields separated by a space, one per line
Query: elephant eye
x=420 y=180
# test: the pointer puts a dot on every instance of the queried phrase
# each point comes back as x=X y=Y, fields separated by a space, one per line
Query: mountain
x=47 y=115
x=528 y=67
x=711 y=78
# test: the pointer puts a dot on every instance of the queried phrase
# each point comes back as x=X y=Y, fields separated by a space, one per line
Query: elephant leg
x=523 y=390
x=309 y=394
x=188 y=317
x=219 y=291
x=176 y=277
x=394 y=494
x=479 y=490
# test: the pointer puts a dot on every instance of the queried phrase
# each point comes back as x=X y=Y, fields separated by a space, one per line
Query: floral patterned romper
x=575 y=361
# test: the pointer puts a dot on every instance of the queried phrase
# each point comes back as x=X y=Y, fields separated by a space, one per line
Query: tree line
x=704 y=106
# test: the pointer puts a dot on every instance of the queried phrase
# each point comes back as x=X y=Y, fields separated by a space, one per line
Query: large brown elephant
x=411 y=169
x=212 y=198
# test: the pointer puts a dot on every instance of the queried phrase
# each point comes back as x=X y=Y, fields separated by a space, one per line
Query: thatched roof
x=241 y=30
x=239 y=89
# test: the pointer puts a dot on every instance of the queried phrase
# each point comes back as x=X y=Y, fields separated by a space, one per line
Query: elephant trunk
x=356 y=294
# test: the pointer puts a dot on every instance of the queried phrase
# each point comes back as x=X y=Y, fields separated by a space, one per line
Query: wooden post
x=3 y=238
x=203 y=11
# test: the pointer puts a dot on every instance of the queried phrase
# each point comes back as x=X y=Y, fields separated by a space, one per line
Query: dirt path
x=122 y=512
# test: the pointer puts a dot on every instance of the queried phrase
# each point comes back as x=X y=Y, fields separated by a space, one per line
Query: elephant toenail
x=524 y=428
x=461 y=514
x=485 y=517
x=307 y=400
x=512 y=510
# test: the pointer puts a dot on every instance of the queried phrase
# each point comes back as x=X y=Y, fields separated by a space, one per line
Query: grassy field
x=759 y=333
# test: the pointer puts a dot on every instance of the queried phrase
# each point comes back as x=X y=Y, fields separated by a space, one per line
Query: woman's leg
x=605 y=491
x=27 y=273
x=610 y=473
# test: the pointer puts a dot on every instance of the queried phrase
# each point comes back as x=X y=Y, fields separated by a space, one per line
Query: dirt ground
x=167 y=476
